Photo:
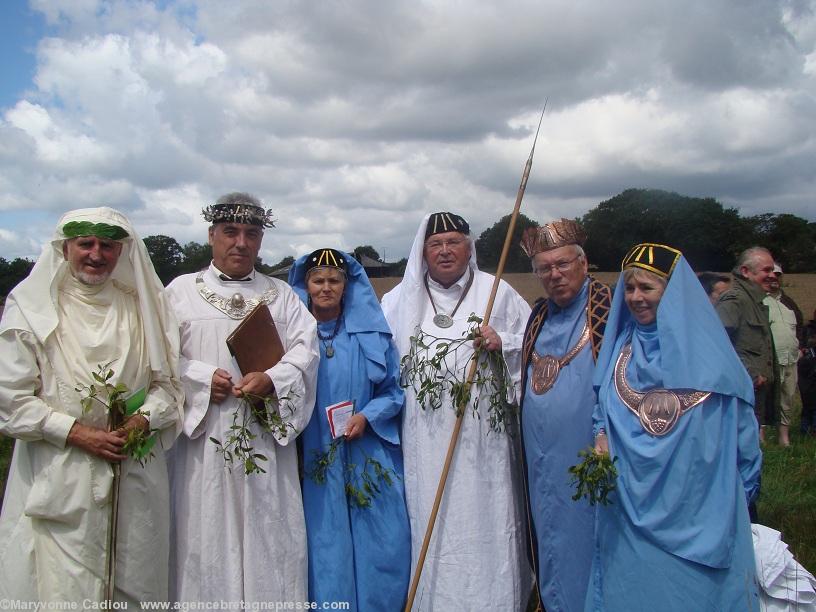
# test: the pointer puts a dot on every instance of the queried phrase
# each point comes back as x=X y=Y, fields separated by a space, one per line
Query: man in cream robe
x=476 y=559
x=91 y=299
x=238 y=537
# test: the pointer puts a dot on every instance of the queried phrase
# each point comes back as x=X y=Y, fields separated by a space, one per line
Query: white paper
x=338 y=415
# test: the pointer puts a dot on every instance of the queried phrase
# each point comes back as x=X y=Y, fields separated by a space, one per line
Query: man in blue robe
x=561 y=343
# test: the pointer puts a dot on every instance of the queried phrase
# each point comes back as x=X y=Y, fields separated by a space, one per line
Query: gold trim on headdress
x=657 y=258
x=442 y=222
x=326 y=258
x=552 y=236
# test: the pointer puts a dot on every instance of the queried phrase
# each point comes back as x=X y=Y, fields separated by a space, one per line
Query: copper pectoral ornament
x=547 y=367
x=545 y=372
x=658 y=410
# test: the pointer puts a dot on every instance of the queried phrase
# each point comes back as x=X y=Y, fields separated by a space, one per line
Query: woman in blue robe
x=677 y=534
x=359 y=540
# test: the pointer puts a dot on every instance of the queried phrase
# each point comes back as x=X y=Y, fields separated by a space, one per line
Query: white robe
x=238 y=537
x=476 y=559
x=56 y=508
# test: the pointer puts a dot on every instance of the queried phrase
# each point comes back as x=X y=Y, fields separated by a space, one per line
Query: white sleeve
x=23 y=414
x=295 y=375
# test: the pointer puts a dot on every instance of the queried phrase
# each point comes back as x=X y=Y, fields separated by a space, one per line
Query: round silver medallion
x=545 y=372
x=658 y=411
x=442 y=320
x=237 y=301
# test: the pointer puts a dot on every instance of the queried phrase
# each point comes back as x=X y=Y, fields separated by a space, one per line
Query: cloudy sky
x=352 y=119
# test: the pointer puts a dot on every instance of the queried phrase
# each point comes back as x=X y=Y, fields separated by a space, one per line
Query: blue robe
x=677 y=534
x=357 y=555
x=556 y=425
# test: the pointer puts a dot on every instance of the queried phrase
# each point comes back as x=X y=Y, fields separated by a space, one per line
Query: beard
x=92 y=279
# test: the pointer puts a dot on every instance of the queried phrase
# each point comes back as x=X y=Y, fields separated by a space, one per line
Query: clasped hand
x=254 y=383
x=105 y=444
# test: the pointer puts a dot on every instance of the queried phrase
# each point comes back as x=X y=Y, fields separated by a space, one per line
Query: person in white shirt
x=238 y=536
x=92 y=300
x=476 y=559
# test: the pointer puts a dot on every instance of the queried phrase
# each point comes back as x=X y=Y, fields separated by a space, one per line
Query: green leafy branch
x=254 y=416
x=362 y=485
x=594 y=478
x=430 y=370
x=138 y=444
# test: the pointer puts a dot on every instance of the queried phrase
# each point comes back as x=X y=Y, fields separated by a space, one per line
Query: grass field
x=788 y=499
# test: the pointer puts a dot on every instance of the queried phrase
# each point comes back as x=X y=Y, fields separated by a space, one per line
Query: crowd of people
x=149 y=467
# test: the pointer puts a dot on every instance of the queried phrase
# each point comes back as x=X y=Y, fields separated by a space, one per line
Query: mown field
x=801 y=287
x=788 y=501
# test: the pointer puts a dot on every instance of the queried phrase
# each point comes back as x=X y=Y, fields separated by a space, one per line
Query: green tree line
x=710 y=235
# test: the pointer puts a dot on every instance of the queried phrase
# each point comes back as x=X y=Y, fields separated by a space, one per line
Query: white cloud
x=351 y=120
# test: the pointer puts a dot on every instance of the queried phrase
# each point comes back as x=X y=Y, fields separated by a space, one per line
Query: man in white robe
x=238 y=536
x=91 y=299
x=476 y=559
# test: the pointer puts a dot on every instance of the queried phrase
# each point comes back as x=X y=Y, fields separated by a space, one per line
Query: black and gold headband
x=657 y=258
x=326 y=258
x=443 y=222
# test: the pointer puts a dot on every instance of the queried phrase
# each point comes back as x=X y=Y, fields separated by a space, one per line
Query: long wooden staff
x=460 y=409
x=110 y=567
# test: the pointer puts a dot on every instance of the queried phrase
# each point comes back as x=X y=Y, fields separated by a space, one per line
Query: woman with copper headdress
x=357 y=528
x=675 y=413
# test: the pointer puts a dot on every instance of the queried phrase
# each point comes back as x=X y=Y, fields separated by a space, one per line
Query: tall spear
x=460 y=409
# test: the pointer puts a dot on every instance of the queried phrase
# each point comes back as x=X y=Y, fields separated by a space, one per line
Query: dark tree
x=789 y=238
x=368 y=251
x=283 y=263
x=12 y=272
x=166 y=255
x=398 y=268
x=706 y=232
x=196 y=257
x=491 y=241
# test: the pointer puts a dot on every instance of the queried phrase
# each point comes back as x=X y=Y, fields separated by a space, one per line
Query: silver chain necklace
x=440 y=318
x=236 y=306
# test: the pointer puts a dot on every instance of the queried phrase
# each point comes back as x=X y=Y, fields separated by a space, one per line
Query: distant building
x=374 y=268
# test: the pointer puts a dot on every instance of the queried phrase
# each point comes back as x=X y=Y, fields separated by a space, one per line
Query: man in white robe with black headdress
x=476 y=559
x=92 y=299
x=238 y=536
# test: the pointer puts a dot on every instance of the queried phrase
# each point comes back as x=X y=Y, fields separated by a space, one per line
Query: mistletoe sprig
x=430 y=370
x=362 y=485
x=594 y=478
x=119 y=407
x=265 y=413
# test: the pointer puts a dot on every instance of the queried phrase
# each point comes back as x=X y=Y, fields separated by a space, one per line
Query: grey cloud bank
x=353 y=119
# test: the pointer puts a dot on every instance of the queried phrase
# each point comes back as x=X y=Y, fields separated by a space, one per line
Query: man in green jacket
x=745 y=318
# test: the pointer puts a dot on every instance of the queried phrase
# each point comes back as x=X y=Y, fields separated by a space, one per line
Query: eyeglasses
x=546 y=270
x=438 y=245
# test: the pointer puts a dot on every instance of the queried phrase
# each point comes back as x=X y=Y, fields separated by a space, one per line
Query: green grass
x=787 y=500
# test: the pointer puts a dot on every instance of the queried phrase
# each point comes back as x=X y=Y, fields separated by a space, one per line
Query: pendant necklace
x=547 y=367
x=328 y=340
x=440 y=318
x=658 y=410
x=236 y=306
